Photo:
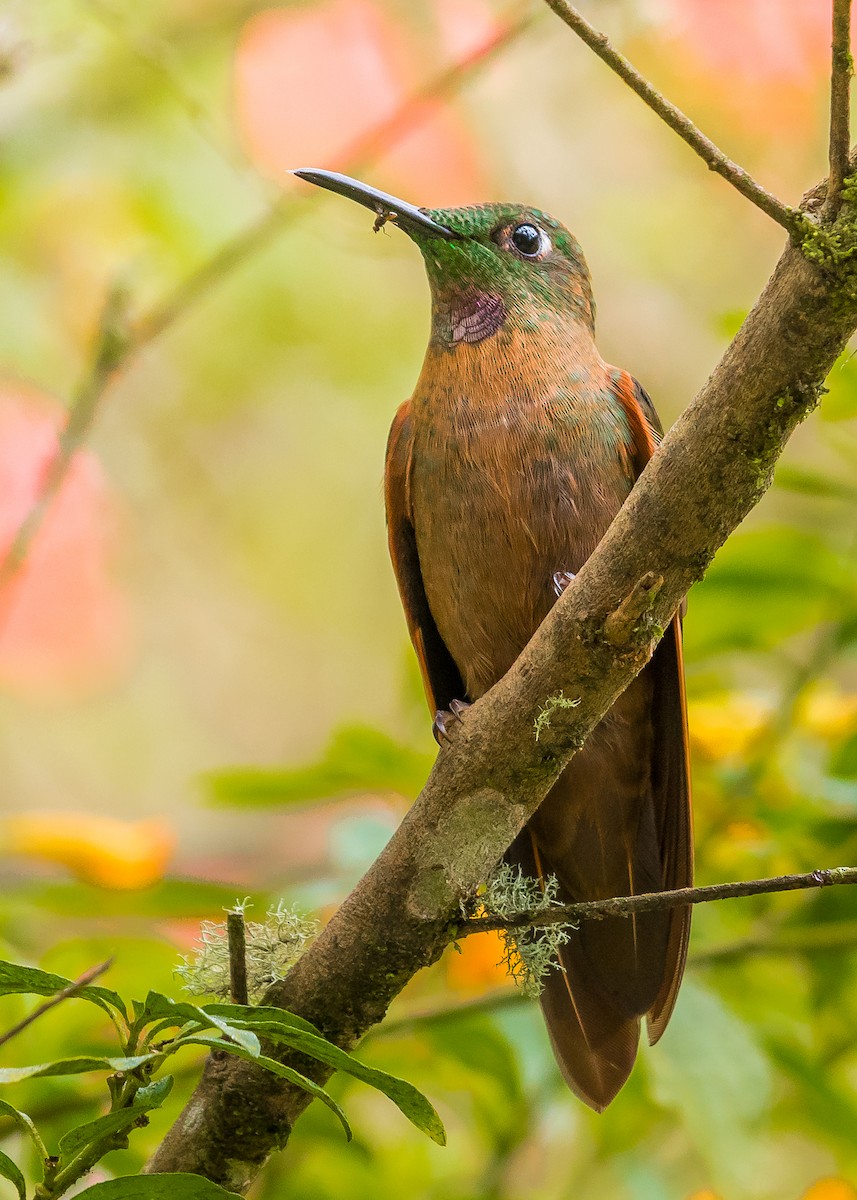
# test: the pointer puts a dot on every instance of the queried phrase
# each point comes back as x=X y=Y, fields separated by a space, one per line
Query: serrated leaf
x=161 y=1008
x=147 y=1098
x=276 y=1068
x=158 y=1187
x=409 y=1100
x=73 y=1066
x=8 y=1170
x=358 y=759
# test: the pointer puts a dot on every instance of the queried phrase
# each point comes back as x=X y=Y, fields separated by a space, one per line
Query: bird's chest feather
x=507 y=489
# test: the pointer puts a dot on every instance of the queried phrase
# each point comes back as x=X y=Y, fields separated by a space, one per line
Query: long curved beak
x=387 y=208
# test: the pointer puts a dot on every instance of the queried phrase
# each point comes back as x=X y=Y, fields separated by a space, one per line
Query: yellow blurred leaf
x=828 y=713
x=728 y=726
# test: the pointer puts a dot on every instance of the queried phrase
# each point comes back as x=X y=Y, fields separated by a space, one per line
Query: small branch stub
x=236 y=936
x=622 y=625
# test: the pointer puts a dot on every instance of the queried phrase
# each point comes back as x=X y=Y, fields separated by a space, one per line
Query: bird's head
x=490 y=266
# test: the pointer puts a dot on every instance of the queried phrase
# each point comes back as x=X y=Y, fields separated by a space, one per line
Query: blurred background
x=206 y=689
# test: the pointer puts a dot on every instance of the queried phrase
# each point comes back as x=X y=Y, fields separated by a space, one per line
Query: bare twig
x=842 y=68
x=236 y=937
x=110 y=348
x=627 y=906
x=73 y=988
x=790 y=218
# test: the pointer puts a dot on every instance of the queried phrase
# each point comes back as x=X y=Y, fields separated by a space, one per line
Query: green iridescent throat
x=483 y=263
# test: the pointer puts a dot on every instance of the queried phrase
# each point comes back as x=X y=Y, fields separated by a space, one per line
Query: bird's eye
x=529 y=240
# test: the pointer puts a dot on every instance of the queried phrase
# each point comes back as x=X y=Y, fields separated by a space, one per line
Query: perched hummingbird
x=503 y=472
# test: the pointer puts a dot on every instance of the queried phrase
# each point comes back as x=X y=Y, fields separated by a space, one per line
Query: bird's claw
x=440 y=724
x=561 y=580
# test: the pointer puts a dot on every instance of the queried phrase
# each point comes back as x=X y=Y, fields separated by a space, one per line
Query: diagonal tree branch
x=711 y=469
x=791 y=219
x=842 y=68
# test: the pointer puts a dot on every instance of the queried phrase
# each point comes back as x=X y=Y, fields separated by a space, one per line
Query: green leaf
x=276 y=1068
x=158 y=1187
x=358 y=759
x=765 y=586
x=843 y=762
x=172 y=898
x=74 y=1066
x=16 y=979
x=147 y=1098
x=711 y=1072
x=161 y=1008
x=408 y=1099
x=807 y=482
x=258 y=1014
x=840 y=403
x=9 y=1171
x=26 y=1124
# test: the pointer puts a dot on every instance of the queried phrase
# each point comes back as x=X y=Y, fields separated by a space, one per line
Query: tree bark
x=713 y=466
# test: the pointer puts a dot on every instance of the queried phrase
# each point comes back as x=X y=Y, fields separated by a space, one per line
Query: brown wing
x=618 y=822
x=671 y=756
x=441 y=677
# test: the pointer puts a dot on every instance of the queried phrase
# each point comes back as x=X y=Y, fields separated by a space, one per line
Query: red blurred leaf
x=759 y=39
x=310 y=83
x=63 y=621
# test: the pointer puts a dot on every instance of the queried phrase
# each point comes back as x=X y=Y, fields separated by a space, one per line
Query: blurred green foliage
x=263 y=664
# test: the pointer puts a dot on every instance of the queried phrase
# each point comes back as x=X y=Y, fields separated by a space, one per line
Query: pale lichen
x=528 y=954
x=550 y=706
x=273 y=947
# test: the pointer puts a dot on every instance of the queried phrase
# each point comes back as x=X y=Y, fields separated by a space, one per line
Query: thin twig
x=626 y=906
x=790 y=218
x=111 y=346
x=842 y=68
x=236 y=938
x=73 y=988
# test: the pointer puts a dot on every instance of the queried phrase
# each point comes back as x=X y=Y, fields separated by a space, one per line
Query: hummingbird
x=503 y=471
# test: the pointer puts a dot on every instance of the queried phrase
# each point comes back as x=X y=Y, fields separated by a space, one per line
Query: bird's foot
x=561 y=580
x=443 y=716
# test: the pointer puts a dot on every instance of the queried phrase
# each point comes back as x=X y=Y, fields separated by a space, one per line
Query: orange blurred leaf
x=96 y=849
x=477 y=965
x=831 y=1189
